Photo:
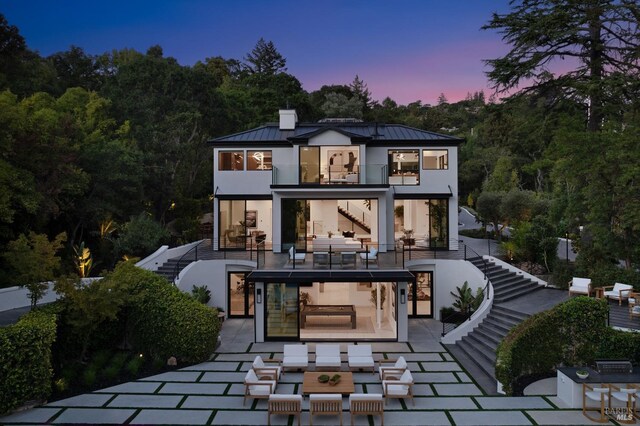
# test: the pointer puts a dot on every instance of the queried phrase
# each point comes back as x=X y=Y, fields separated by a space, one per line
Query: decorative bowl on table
x=334 y=380
x=324 y=378
x=582 y=374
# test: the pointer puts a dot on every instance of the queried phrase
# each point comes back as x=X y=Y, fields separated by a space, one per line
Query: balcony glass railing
x=371 y=174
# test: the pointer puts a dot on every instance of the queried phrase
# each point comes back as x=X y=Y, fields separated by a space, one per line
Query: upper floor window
x=259 y=160
x=437 y=159
x=231 y=160
x=404 y=167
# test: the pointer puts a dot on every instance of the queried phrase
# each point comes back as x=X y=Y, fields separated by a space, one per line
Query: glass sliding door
x=232 y=227
x=439 y=223
x=310 y=164
x=421 y=295
x=241 y=295
x=282 y=313
x=295 y=214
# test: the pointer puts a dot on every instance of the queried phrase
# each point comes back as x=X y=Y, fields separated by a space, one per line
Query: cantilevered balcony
x=292 y=175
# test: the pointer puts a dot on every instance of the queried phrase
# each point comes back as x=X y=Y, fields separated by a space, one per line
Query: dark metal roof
x=372 y=132
x=303 y=276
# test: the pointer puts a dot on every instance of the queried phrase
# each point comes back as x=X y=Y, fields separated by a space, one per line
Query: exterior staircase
x=477 y=350
x=355 y=219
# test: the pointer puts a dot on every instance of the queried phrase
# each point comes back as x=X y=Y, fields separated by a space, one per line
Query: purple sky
x=407 y=50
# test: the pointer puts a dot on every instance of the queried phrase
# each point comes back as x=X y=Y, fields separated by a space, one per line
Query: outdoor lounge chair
x=400 y=388
x=296 y=257
x=284 y=404
x=360 y=357
x=392 y=367
x=326 y=404
x=580 y=286
x=270 y=366
x=628 y=396
x=618 y=292
x=257 y=388
x=366 y=404
x=328 y=356
x=295 y=356
x=371 y=255
x=598 y=394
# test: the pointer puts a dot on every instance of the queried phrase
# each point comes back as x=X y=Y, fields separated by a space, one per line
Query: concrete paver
x=558 y=417
x=175 y=376
x=416 y=418
x=172 y=417
x=216 y=402
x=86 y=400
x=214 y=366
x=139 y=401
x=510 y=403
x=457 y=389
x=444 y=403
x=35 y=415
x=489 y=418
x=94 y=415
x=133 y=387
x=194 y=388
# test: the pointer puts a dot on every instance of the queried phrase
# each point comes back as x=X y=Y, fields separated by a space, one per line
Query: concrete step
x=482 y=342
x=501 y=298
x=483 y=363
x=488 y=334
x=498 y=310
x=498 y=326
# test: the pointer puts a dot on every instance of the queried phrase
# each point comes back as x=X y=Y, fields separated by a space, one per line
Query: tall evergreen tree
x=265 y=59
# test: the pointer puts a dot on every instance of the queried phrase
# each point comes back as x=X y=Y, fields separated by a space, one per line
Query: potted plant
x=305 y=299
x=582 y=373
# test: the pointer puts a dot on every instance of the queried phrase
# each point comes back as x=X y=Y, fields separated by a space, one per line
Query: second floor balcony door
x=310 y=164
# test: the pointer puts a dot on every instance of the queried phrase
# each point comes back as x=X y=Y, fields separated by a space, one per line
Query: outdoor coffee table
x=310 y=383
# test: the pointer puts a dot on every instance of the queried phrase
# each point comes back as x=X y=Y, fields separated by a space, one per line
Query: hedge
x=163 y=321
x=571 y=333
x=25 y=359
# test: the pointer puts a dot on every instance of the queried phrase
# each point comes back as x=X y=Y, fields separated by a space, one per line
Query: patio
x=212 y=392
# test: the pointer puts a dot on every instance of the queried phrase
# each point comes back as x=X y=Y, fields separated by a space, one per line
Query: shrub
x=201 y=293
x=110 y=373
x=25 y=359
x=134 y=364
x=140 y=236
x=163 y=321
x=89 y=377
x=569 y=334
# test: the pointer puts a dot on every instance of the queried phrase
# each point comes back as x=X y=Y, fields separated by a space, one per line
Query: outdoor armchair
x=360 y=357
x=328 y=356
x=284 y=404
x=392 y=367
x=255 y=387
x=270 y=366
x=400 y=388
x=295 y=356
x=618 y=291
x=326 y=404
x=580 y=286
x=366 y=404
x=371 y=255
x=295 y=257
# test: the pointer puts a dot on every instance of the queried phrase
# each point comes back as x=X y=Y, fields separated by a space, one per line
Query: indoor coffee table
x=310 y=383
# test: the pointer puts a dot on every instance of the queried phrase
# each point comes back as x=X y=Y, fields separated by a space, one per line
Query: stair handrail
x=177 y=269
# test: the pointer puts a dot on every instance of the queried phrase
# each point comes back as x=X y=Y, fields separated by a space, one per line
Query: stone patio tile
x=142 y=401
x=422 y=390
x=174 y=376
x=233 y=402
x=133 y=387
x=366 y=377
x=236 y=389
x=457 y=389
x=464 y=377
x=448 y=357
x=512 y=403
x=416 y=418
x=233 y=347
x=194 y=388
x=213 y=366
x=224 y=377
x=35 y=415
x=561 y=417
x=490 y=418
x=287 y=388
x=441 y=366
x=93 y=415
x=86 y=400
x=244 y=418
x=434 y=377
x=413 y=366
x=288 y=377
x=430 y=346
x=241 y=357
x=334 y=420
x=442 y=403
x=268 y=347
x=389 y=347
x=429 y=356
x=172 y=417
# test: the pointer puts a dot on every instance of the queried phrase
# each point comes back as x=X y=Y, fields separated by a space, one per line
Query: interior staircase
x=477 y=350
x=355 y=219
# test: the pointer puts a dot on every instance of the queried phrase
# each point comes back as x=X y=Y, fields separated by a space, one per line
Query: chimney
x=288 y=119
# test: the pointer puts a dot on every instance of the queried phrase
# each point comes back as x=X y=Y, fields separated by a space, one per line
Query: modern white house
x=317 y=228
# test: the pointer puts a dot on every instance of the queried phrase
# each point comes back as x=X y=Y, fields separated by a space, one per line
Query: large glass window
x=435 y=159
x=259 y=160
x=421 y=295
x=424 y=222
x=282 y=311
x=231 y=160
x=310 y=164
x=404 y=167
x=241 y=297
x=244 y=224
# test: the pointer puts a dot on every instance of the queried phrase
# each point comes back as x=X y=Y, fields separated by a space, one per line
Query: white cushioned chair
x=325 y=404
x=618 y=292
x=270 y=366
x=256 y=388
x=295 y=357
x=360 y=357
x=400 y=388
x=580 y=286
x=371 y=255
x=366 y=404
x=296 y=257
x=328 y=356
x=392 y=367
x=598 y=394
x=284 y=405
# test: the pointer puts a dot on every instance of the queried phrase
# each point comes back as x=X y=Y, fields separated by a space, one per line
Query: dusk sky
x=407 y=50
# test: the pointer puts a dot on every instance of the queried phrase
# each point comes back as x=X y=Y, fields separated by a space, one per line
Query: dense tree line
x=109 y=149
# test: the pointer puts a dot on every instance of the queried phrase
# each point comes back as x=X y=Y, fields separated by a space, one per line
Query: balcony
x=371 y=174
